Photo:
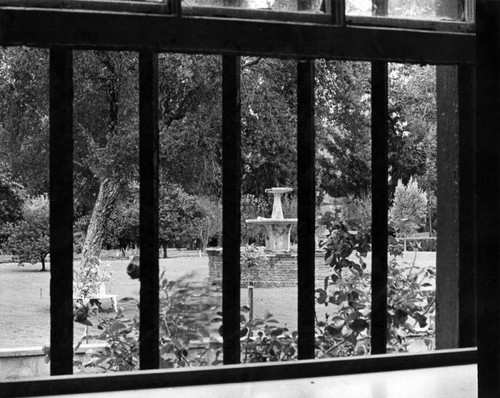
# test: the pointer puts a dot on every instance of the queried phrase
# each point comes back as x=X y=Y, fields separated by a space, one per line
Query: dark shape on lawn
x=133 y=268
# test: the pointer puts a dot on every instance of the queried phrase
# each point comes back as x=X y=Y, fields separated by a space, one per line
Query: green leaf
x=359 y=325
x=332 y=330
x=116 y=326
x=353 y=316
x=421 y=319
x=268 y=315
x=85 y=322
x=337 y=322
x=277 y=332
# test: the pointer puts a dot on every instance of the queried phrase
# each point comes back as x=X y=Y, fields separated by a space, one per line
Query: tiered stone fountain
x=279 y=268
x=277 y=227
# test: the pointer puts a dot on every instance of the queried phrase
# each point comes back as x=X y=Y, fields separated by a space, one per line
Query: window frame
x=65 y=30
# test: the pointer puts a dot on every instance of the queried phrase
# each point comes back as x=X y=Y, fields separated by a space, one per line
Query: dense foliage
x=28 y=238
x=409 y=208
x=106 y=124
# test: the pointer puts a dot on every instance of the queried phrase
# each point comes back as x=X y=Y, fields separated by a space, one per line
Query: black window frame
x=149 y=32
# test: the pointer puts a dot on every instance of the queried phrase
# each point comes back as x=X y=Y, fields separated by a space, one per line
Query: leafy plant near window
x=344 y=331
x=89 y=279
x=190 y=319
x=410 y=303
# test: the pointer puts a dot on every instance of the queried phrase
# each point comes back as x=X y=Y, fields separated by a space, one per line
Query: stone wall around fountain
x=279 y=271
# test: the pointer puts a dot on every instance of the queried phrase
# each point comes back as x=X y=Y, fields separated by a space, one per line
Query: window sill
x=451 y=381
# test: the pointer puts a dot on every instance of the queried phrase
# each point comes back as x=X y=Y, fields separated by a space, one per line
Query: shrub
x=29 y=238
x=87 y=281
x=410 y=302
x=408 y=210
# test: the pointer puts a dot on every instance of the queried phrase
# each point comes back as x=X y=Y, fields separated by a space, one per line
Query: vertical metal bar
x=306 y=196
x=176 y=7
x=488 y=196
x=380 y=205
x=469 y=11
x=467 y=203
x=231 y=184
x=148 y=232
x=447 y=257
x=448 y=240
x=380 y=7
x=250 y=300
x=380 y=196
x=61 y=211
x=336 y=8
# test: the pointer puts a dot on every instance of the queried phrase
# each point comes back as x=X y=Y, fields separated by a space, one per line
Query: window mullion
x=488 y=197
x=231 y=229
x=306 y=189
x=380 y=197
x=466 y=206
x=61 y=211
x=148 y=232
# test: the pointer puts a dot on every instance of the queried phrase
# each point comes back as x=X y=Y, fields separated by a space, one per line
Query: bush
x=409 y=208
x=87 y=281
x=191 y=321
x=410 y=301
x=29 y=238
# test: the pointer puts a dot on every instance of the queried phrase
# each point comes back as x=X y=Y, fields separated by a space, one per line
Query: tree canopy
x=106 y=131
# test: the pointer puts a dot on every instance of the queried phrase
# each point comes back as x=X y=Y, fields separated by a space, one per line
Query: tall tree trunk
x=104 y=205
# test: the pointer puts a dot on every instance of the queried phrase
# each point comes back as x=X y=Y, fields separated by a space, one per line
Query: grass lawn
x=25 y=307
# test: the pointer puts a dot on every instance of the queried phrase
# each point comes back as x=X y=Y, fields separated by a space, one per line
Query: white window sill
x=453 y=381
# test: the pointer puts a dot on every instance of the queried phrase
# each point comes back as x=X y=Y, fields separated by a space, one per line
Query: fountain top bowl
x=279 y=190
x=272 y=221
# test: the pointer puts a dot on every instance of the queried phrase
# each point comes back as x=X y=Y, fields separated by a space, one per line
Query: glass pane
x=269 y=209
x=343 y=167
x=271 y=5
x=190 y=210
x=413 y=9
x=106 y=208
x=24 y=213
x=413 y=208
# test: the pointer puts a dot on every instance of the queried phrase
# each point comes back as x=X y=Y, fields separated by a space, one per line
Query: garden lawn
x=25 y=306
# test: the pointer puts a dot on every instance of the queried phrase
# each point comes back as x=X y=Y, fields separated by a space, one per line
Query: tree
x=268 y=125
x=106 y=124
x=409 y=208
x=180 y=216
x=343 y=125
x=412 y=125
x=29 y=238
x=11 y=200
x=123 y=226
x=210 y=225
x=24 y=120
x=193 y=144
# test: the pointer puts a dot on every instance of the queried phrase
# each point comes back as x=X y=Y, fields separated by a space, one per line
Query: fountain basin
x=277 y=232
